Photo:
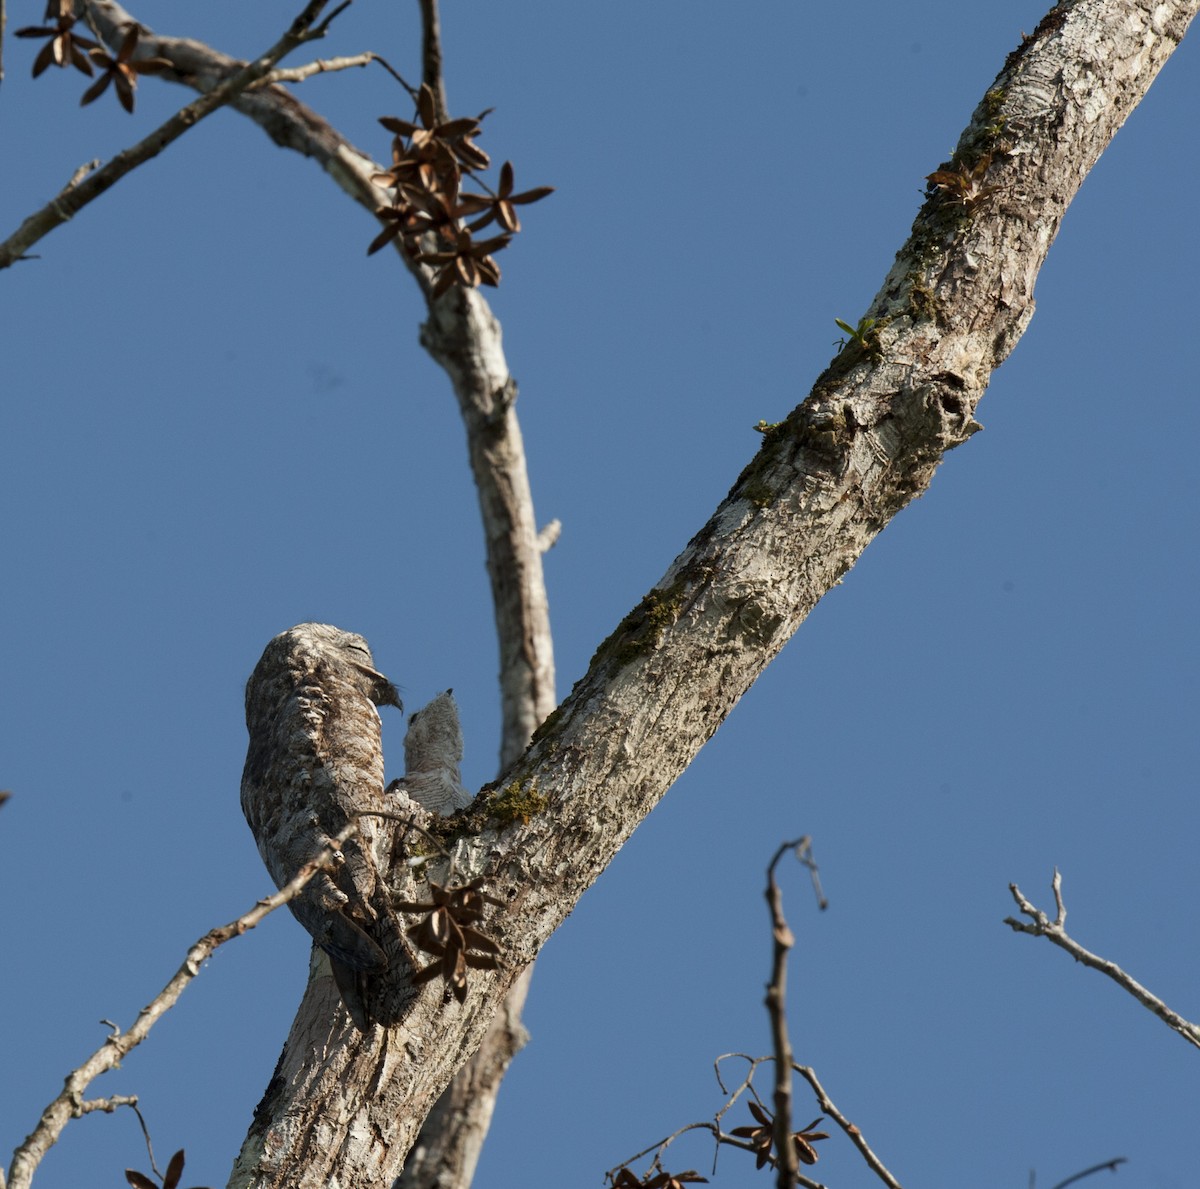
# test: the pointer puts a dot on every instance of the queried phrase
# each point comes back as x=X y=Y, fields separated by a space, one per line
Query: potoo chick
x=433 y=749
x=315 y=761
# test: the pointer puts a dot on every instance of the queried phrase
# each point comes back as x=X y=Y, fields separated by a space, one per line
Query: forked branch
x=770 y=1137
x=77 y=194
x=1040 y=925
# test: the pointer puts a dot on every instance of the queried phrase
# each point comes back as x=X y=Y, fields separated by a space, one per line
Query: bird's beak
x=383 y=692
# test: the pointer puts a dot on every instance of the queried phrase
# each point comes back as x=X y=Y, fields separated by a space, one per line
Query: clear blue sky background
x=217 y=422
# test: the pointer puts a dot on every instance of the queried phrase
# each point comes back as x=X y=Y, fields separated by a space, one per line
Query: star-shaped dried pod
x=427 y=163
x=170 y=1178
x=122 y=71
x=500 y=206
x=64 y=48
x=397 y=220
x=804 y=1139
x=466 y=262
x=668 y=1180
x=417 y=212
x=433 y=211
x=448 y=932
x=450 y=133
x=625 y=1178
x=762 y=1138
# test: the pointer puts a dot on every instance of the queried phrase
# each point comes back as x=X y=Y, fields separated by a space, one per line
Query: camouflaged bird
x=315 y=762
x=433 y=749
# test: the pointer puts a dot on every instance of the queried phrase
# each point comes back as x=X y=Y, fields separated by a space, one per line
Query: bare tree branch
x=298 y=74
x=782 y=939
x=772 y=1140
x=77 y=194
x=1040 y=925
x=70 y=1103
x=851 y=1129
x=1110 y=1165
x=431 y=56
x=740 y=1138
x=825 y=482
x=547 y=538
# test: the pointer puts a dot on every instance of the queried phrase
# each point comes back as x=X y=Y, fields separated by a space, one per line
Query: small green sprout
x=862 y=334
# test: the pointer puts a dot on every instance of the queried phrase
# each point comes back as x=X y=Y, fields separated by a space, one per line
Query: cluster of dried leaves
x=429 y=160
x=762 y=1138
x=65 y=47
x=448 y=932
x=964 y=185
x=170 y=1179
x=624 y=1178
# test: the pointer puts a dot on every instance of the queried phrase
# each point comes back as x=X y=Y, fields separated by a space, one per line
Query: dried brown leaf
x=174 y=1171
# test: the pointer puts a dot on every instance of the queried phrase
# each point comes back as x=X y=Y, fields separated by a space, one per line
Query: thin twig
x=805 y=858
x=787 y=1164
x=74 y=197
x=548 y=536
x=1087 y=1172
x=754 y=1062
x=851 y=1129
x=118 y=1044
x=297 y=74
x=1040 y=925
x=412 y=91
x=661 y=1146
x=410 y=820
x=714 y=1128
x=431 y=57
x=107 y=1105
x=149 y=1144
x=81 y=173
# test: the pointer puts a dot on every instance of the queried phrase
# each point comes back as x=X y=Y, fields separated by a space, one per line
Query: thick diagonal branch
x=866 y=441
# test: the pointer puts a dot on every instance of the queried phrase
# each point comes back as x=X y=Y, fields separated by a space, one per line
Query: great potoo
x=314 y=763
x=433 y=749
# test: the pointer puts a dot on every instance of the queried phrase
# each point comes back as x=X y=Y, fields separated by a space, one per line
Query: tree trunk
x=345 y=1109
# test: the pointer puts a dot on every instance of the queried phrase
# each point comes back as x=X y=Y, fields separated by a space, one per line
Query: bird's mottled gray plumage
x=315 y=761
x=433 y=749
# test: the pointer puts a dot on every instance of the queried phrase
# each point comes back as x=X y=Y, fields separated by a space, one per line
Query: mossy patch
x=518 y=802
x=641 y=630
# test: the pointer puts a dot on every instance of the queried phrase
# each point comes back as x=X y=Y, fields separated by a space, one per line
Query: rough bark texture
x=464 y=337
x=344 y=1109
x=450 y=1141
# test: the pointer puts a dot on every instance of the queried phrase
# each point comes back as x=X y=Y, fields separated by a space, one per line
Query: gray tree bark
x=344 y=1109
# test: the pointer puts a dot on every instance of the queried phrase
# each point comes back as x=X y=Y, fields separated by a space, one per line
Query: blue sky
x=217 y=422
